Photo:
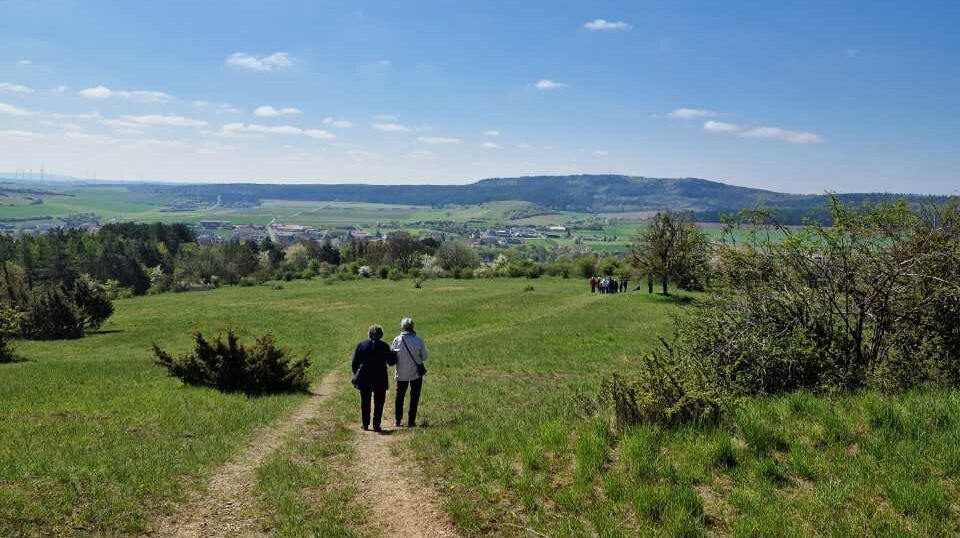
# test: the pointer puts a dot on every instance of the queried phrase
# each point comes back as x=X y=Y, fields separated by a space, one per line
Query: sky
x=790 y=96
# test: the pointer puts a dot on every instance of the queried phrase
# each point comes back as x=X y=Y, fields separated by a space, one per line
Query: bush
x=247 y=282
x=53 y=315
x=10 y=319
x=232 y=367
x=384 y=272
x=395 y=274
x=670 y=389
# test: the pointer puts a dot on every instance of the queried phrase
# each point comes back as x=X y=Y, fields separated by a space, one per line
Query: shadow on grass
x=105 y=331
x=14 y=360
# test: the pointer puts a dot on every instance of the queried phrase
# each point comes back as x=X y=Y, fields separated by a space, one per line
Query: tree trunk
x=663 y=282
x=649 y=282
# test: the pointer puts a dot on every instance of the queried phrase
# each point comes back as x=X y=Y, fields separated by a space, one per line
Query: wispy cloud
x=547 y=84
x=241 y=129
x=391 y=128
x=692 y=113
x=15 y=88
x=339 y=124
x=25 y=62
x=490 y=145
x=144 y=96
x=600 y=152
x=601 y=24
x=165 y=121
x=438 y=140
x=273 y=62
x=787 y=135
x=492 y=133
x=11 y=110
x=420 y=155
x=20 y=135
x=720 y=127
x=271 y=112
x=385 y=117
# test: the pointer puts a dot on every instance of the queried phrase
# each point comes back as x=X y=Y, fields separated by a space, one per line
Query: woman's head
x=375 y=332
x=406 y=324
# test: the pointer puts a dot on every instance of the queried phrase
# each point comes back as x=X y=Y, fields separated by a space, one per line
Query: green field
x=96 y=440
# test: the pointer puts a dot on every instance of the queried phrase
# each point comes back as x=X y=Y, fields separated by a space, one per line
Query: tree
x=457 y=255
x=92 y=302
x=403 y=250
x=671 y=247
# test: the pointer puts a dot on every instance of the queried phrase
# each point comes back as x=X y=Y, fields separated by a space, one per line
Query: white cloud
x=385 y=117
x=546 y=84
x=165 y=121
x=692 y=113
x=524 y=145
x=15 y=88
x=720 y=127
x=490 y=145
x=438 y=140
x=391 y=127
x=853 y=52
x=11 y=110
x=241 y=129
x=420 y=155
x=273 y=62
x=72 y=127
x=776 y=133
x=339 y=124
x=491 y=132
x=270 y=112
x=601 y=152
x=96 y=139
x=144 y=96
x=20 y=135
x=385 y=63
x=25 y=62
x=601 y=24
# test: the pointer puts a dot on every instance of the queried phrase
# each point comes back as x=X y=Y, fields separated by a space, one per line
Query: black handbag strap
x=404 y=342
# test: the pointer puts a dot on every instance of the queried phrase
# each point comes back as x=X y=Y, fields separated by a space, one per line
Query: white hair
x=406 y=324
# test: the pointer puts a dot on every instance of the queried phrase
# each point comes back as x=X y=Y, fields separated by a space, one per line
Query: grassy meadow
x=96 y=440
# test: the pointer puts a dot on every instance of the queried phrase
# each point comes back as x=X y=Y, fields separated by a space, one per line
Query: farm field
x=96 y=440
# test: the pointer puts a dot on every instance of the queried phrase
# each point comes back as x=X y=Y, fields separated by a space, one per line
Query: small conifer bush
x=229 y=366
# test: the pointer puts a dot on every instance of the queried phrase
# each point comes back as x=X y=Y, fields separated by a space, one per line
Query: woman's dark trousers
x=379 y=397
x=415 y=387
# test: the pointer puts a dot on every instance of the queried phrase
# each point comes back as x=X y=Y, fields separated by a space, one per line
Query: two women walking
x=370 y=361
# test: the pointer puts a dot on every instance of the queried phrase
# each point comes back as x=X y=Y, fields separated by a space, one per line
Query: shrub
x=10 y=319
x=229 y=366
x=384 y=272
x=92 y=302
x=395 y=274
x=247 y=282
x=53 y=315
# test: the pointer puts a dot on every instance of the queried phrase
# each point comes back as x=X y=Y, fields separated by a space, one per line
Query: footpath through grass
x=95 y=440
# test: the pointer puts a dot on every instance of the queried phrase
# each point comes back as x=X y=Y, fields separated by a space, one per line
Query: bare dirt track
x=227 y=508
x=399 y=500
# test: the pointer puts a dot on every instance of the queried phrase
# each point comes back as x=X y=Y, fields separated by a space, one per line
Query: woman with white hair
x=411 y=354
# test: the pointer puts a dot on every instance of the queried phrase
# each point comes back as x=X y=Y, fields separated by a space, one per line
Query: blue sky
x=794 y=96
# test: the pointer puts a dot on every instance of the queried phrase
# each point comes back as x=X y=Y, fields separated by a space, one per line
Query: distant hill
x=585 y=193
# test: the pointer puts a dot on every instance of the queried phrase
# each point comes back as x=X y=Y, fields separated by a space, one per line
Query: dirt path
x=228 y=506
x=400 y=503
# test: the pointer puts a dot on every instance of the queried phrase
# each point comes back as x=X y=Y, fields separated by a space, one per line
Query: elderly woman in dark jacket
x=370 y=361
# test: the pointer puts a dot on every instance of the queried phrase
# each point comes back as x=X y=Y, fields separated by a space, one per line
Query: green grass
x=95 y=440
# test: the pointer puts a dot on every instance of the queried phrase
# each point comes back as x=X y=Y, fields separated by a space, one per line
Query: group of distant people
x=608 y=284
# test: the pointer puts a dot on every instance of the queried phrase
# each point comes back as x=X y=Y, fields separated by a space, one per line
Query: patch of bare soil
x=228 y=506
